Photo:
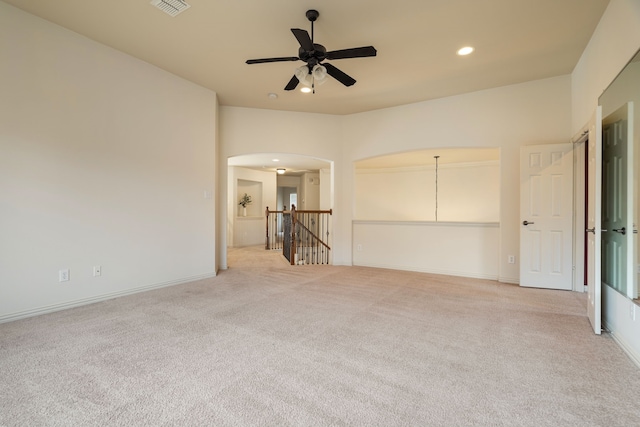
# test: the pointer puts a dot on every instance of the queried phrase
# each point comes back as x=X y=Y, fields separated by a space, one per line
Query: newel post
x=266 y=242
x=293 y=234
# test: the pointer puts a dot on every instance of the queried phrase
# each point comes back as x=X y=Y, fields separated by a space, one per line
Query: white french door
x=617 y=201
x=546 y=216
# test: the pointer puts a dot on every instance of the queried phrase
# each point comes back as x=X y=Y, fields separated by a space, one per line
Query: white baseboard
x=86 y=301
x=633 y=355
x=433 y=271
x=342 y=263
x=509 y=280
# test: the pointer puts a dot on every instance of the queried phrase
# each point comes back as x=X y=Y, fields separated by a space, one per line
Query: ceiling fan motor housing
x=313 y=57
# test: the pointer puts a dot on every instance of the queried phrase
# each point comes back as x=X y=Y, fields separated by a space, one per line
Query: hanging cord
x=436 y=157
x=313 y=80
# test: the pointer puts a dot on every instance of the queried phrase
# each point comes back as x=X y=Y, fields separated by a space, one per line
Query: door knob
x=525 y=222
x=591 y=230
x=622 y=230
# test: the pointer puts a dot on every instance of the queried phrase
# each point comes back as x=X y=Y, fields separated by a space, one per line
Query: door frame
x=580 y=172
x=581 y=147
x=590 y=135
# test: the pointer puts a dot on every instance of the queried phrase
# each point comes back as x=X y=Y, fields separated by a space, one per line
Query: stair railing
x=303 y=235
x=275 y=229
x=310 y=236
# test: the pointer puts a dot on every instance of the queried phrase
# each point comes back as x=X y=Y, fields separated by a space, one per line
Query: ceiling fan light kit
x=303 y=75
x=309 y=78
x=313 y=54
x=319 y=73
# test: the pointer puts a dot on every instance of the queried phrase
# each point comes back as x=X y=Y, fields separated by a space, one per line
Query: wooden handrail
x=330 y=211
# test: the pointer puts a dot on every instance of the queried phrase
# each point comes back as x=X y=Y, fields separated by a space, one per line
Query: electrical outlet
x=632 y=311
x=97 y=270
x=512 y=259
x=63 y=275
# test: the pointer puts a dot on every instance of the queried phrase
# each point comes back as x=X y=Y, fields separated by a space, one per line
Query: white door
x=546 y=216
x=617 y=201
x=594 y=203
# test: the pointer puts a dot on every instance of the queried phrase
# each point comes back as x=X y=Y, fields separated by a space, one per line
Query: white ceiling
x=515 y=41
x=269 y=162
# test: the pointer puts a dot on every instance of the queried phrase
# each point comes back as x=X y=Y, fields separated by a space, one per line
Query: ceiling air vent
x=171 y=7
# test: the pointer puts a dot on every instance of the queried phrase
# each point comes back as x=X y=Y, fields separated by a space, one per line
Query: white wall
x=508 y=117
x=105 y=160
x=459 y=249
x=614 y=42
x=326 y=189
x=466 y=192
x=310 y=191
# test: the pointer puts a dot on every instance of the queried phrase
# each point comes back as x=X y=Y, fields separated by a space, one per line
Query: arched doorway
x=266 y=178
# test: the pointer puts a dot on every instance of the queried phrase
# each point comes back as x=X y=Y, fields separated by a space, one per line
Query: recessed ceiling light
x=272 y=96
x=305 y=89
x=465 y=51
x=275 y=160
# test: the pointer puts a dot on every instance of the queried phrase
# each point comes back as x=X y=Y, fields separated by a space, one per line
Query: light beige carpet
x=267 y=344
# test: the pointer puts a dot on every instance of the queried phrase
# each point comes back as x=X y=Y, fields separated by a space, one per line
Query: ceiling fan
x=313 y=54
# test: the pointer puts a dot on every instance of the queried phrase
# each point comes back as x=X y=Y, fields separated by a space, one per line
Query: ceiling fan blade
x=339 y=75
x=303 y=39
x=292 y=83
x=356 y=52
x=281 y=59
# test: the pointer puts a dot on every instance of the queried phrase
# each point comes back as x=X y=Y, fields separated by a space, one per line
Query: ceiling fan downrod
x=312 y=15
